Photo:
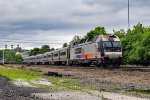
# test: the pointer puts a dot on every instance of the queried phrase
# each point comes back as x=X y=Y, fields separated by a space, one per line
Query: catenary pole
x=128 y=14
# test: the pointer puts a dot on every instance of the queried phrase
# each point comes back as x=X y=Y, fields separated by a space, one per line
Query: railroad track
x=121 y=68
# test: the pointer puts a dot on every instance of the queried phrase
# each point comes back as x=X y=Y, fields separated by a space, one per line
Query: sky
x=32 y=23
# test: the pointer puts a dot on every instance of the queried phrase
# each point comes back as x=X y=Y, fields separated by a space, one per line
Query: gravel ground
x=100 y=79
x=9 y=91
x=110 y=79
x=67 y=95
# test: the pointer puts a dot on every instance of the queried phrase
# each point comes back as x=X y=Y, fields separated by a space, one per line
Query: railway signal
x=5 y=46
x=11 y=46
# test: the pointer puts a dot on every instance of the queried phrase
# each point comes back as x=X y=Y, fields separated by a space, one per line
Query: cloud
x=62 y=19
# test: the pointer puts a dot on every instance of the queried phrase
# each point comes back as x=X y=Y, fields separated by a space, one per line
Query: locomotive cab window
x=112 y=46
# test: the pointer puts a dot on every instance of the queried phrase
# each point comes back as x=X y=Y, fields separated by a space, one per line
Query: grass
x=28 y=75
x=140 y=92
x=65 y=82
x=14 y=73
x=60 y=83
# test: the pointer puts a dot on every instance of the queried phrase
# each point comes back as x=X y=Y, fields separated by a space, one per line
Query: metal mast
x=128 y=14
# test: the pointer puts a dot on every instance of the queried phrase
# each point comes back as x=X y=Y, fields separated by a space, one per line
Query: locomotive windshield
x=112 y=46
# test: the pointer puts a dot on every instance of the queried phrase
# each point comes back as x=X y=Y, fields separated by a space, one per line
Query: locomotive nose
x=113 y=55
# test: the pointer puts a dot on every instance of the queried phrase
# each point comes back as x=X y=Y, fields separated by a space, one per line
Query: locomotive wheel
x=99 y=65
x=108 y=66
x=89 y=64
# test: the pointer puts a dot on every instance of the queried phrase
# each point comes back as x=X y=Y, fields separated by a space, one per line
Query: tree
x=9 y=55
x=65 y=45
x=44 y=48
x=97 y=31
x=35 y=51
x=121 y=33
x=19 y=49
x=76 y=39
x=136 y=44
x=18 y=58
x=52 y=49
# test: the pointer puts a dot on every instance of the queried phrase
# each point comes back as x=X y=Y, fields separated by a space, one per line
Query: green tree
x=19 y=49
x=65 y=45
x=76 y=39
x=52 y=49
x=35 y=51
x=136 y=44
x=97 y=31
x=121 y=33
x=44 y=48
x=18 y=58
x=9 y=55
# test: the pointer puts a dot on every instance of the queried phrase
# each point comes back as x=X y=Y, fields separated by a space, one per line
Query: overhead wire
x=4 y=40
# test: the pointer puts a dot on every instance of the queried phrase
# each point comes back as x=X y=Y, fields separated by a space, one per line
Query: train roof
x=110 y=37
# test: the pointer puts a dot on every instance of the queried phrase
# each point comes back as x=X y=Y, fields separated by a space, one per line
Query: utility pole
x=128 y=15
x=4 y=54
x=3 y=57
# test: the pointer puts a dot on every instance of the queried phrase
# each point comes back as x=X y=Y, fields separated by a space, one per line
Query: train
x=101 y=50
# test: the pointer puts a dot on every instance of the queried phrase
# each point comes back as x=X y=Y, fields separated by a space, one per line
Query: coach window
x=49 y=56
x=63 y=53
x=55 y=55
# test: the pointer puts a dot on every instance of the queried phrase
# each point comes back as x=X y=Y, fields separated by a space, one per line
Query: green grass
x=60 y=83
x=14 y=73
x=66 y=82
x=28 y=75
x=140 y=92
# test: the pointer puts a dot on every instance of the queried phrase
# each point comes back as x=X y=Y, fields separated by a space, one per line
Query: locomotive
x=101 y=50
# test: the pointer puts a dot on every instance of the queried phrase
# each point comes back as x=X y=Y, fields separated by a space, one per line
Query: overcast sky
x=62 y=19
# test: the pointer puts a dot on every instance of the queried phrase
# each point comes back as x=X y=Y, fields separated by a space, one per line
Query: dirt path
x=75 y=95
